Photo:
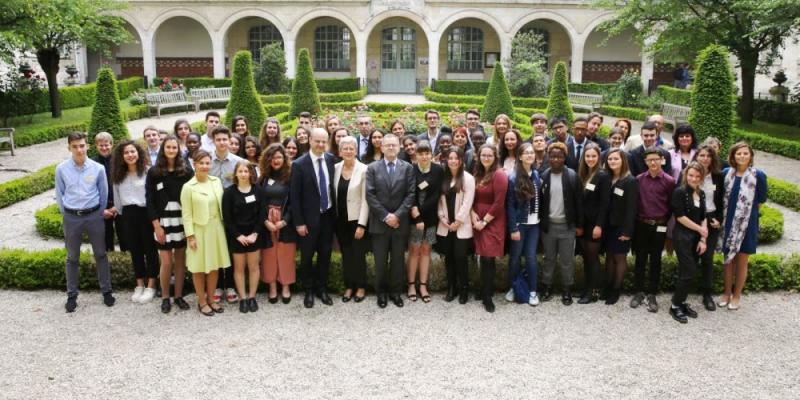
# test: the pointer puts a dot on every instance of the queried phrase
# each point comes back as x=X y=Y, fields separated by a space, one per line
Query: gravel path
x=780 y=167
x=440 y=350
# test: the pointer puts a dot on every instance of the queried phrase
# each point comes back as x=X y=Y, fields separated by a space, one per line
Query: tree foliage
x=713 y=95
x=46 y=27
x=106 y=114
x=244 y=98
x=558 y=105
x=304 y=96
x=527 y=76
x=753 y=30
x=628 y=89
x=271 y=71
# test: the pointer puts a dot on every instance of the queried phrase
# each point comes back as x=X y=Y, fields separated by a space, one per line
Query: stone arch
x=253 y=12
x=180 y=12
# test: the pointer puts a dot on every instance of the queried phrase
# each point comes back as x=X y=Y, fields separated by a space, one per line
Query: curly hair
x=119 y=170
x=265 y=165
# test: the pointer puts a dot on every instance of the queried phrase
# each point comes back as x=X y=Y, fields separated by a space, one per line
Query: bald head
x=657 y=119
x=319 y=140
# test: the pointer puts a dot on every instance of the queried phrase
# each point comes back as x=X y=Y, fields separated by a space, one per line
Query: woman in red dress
x=489 y=217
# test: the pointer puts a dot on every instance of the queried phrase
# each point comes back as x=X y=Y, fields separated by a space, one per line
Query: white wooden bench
x=591 y=102
x=7 y=136
x=160 y=100
x=209 y=95
x=675 y=114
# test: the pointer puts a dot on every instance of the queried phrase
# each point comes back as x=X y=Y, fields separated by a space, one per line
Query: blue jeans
x=527 y=244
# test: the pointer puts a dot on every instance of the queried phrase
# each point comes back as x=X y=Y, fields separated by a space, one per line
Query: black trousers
x=707 y=261
x=389 y=250
x=141 y=243
x=455 y=260
x=685 y=244
x=354 y=263
x=320 y=242
x=111 y=223
x=488 y=271
x=648 y=246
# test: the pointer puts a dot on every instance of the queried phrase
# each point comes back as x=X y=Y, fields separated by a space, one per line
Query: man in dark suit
x=578 y=144
x=364 y=124
x=313 y=215
x=390 y=194
x=433 y=120
x=649 y=137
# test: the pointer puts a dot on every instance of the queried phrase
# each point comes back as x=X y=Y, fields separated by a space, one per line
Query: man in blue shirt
x=82 y=194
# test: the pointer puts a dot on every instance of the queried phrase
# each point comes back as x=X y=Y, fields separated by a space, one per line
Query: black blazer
x=429 y=207
x=638 y=166
x=161 y=189
x=288 y=234
x=595 y=199
x=719 y=193
x=622 y=210
x=572 y=161
x=600 y=142
x=573 y=210
x=304 y=191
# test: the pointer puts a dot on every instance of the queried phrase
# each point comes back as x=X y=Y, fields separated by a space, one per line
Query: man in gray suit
x=390 y=194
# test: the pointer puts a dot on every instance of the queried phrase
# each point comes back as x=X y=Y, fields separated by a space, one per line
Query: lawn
x=73 y=115
x=774 y=130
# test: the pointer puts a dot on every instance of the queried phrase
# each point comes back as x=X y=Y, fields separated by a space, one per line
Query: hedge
x=304 y=96
x=592 y=88
x=558 y=102
x=624 y=112
x=27 y=186
x=682 y=97
x=191 y=83
x=106 y=114
x=57 y=130
x=525 y=102
x=770 y=225
x=764 y=142
x=461 y=87
x=783 y=193
x=779 y=113
x=49 y=222
x=325 y=85
x=29 y=270
x=244 y=97
x=713 y=96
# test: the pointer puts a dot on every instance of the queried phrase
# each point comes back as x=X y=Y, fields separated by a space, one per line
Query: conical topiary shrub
x=106 y=115
x=244 y=98
x=558 y=104
x=713 y=104
x=498 y=97
x=304 y=96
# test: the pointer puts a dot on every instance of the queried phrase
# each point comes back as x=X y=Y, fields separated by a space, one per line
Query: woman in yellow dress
x=201 y=207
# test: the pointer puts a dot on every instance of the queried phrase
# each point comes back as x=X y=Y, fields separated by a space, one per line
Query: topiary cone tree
x=498 y=97
x=713 y=95
x=558 y=104
x=244 y=97
x=106 y=115
x=304 y=96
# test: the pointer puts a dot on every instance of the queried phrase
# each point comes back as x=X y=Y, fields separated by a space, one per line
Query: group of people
x=233 y=208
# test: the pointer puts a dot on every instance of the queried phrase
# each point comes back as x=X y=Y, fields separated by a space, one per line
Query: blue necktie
x=391 y=169
x=323 y=187
x=364 y=145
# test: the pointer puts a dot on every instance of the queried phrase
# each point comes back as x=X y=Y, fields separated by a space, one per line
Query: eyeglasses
x=652 y=160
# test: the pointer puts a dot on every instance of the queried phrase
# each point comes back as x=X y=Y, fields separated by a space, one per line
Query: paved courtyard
x=357 y=351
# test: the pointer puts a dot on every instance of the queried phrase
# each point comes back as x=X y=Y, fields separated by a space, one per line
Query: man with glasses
x=655 y=188
x=435 y=129
x=364 y=124
x=649 y=137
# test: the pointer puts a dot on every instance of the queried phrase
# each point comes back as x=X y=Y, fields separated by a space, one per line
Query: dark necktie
x=391 y=172
x=578 y=151
x=323 y=186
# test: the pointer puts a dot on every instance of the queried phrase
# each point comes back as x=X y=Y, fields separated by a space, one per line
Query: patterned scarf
x=741 y=217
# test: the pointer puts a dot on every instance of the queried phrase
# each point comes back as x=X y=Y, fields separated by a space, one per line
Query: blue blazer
x=516 y=210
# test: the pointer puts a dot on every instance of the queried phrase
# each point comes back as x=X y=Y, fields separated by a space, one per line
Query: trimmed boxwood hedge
x=525 y=102
x=29 y=270
x=624 y=112
x=682 y=97
x=779 y=113
x=461 y=87
x=592 y=88
x=49 y=222
x=770 y=225
x=323 y=97
x=783 y=193
x=713 y=96
x=325 y=85
x=764 y=142
x=47 y=133
x=27 y=186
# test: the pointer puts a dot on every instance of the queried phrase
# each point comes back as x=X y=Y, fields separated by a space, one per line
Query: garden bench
x=209 y=95
x=7 y=136
x=675 y=114
x=176 y=98
x=591 y=102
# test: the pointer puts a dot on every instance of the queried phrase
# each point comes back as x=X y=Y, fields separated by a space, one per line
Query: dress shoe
x=724 y=303
x=166 y=306
x=688 y=311
x=397 y=300
x=346 y=298
x=463 y=296
x=588 y=298
x=612 y=297
x=252 y=304
x=308 y=301
x=637 y=300
x=451 y=294
x=652 y=304
x=324 y=298
x=286 y=299
x=488 y=304
x=566 y=298
x=678 y=314
x=181 y=303
x=243 y=306
x=547 y=293
x=708 y=303
x=273 y=300
x=382 y=302
x=108 y=299
x=72 y=303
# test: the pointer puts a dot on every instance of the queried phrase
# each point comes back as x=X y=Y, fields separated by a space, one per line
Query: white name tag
x=590 y=187
x=423 y=185
x=697 y=203
x=713 y=187
x=661 y=229
x=270 y=182
x=160 y=186
x=619 y=192
x=89 y=179
x=250 y=199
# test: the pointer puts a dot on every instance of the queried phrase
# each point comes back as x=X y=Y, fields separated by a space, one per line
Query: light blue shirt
x=224 y=168
x=81 y=188
x=153 y=155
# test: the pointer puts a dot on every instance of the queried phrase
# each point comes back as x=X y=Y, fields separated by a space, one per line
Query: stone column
x=291 y=56
x=82 y=63
x=433 y=56
x=218 y=51
x=361 y=58
x=149 y=56
x=647 y=70
x=576 y=68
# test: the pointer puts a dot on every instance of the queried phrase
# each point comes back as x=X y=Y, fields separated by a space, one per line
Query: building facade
x=392 y=45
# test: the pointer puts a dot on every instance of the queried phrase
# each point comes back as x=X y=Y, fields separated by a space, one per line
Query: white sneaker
x=147 y=295
x=137 y=294
x=534 y=299
x=510 y=295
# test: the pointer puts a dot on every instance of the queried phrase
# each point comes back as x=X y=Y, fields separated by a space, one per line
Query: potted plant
x=72 y=70
x=779 y=92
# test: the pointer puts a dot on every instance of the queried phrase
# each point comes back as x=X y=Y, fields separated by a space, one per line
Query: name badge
x=590 y=187
x=423 y=185
x=89 y=179
x=713 y=187
x=697 y=203
x=661 y=229
x=619 y=192
x=250 y=199
x=160 y=186
x=270 y=182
